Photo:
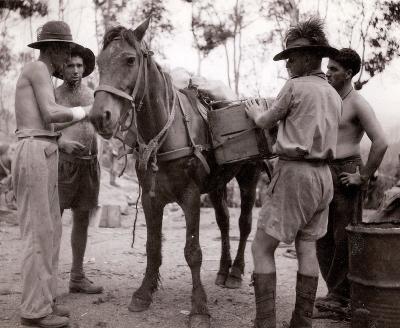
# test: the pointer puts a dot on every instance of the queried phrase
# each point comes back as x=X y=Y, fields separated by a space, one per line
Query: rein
x=151 y=148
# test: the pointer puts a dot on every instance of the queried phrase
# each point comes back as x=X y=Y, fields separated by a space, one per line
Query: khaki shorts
x=78 y=182
x=297 y=202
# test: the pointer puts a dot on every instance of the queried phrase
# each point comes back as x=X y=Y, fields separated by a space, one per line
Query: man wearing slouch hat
x=34 y=173
x=307 y=111
x=78 y=168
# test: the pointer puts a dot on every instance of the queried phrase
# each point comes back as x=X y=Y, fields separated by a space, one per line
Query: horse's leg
x=190 y=203
x=247 y=179
x=219 y=201
x=153 y=211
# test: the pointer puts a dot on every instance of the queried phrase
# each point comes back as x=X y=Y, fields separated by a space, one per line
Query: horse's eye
x=130 y=61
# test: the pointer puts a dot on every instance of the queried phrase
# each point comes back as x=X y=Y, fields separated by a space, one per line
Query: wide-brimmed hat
x=88 y=57
x=59 y=31
x=52 y=31
x=324 y=50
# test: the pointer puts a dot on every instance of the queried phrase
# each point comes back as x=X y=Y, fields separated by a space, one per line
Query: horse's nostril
x=107 y=115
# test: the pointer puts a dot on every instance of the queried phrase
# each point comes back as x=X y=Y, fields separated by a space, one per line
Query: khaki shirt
x=313 y=109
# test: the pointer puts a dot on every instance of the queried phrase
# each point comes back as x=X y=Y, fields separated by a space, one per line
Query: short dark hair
x=76 y=53
x=348 y=59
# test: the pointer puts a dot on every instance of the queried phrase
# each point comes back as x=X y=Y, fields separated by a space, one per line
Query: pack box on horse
x=173 y=138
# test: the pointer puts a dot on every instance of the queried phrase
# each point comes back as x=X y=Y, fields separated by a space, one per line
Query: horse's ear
x=140 y=31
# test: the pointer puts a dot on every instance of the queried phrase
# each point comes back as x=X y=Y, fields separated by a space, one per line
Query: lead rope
x=136 y=214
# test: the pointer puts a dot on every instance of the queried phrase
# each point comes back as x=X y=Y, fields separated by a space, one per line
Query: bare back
x=35 y=106
x=27 y=111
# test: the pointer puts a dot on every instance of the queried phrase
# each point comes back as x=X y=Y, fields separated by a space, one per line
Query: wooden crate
x=235 y=137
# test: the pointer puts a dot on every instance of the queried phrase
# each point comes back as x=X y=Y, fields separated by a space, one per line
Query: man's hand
x=87 y=109
x=352 y=179
x=71 y=147
x=255 y=108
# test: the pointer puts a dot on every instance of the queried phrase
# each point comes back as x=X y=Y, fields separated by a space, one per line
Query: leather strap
x=197 y=149
x=112 y=90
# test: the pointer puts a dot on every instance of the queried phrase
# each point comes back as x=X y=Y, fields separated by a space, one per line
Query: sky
x=381 y=92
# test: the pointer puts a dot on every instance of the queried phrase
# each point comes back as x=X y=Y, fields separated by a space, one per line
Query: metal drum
x=374 y=272
x=236 y=138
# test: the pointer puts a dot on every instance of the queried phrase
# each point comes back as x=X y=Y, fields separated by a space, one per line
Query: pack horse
x=175 y=162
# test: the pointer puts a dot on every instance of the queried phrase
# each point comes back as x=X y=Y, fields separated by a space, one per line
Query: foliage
x=384 y=43
x=374 y=24
x=110 y=11
x=160 y=24
x=25 y=8
x=213 y=28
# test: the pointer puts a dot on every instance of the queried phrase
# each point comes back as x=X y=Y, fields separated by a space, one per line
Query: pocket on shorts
x=50 y=149
x=273 y=182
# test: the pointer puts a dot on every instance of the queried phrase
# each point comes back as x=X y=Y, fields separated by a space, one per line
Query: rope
x=136 y=215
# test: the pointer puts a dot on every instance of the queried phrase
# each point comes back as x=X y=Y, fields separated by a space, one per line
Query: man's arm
x=40 y=80
x=280 y=108
x=62 y=126
x=375 y=133
x=379 y=144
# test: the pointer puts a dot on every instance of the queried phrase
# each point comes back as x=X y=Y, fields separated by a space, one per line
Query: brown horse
x=173 y=138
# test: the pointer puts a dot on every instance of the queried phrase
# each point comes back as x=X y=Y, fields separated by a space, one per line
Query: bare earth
x=111 y=262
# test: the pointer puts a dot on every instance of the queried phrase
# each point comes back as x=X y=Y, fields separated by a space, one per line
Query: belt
x=354 y=158
x=74 y=158
x=318 y=161
x=52 y=139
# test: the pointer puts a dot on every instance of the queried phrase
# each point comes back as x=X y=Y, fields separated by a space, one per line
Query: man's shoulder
x=35 y=67
x=357 y=101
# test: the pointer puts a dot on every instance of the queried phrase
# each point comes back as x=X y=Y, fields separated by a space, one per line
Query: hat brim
x=88 y=57
x=39 y=44
x=324 y=51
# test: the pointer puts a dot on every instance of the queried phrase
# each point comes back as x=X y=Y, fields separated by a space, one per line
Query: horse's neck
x=157 y=103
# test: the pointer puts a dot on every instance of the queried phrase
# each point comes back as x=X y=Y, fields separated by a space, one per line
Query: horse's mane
x=119 y=32
x=128 y=35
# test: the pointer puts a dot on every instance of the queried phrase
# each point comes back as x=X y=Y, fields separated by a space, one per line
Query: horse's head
x=121 y=68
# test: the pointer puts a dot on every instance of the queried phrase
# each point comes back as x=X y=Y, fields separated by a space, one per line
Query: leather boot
x=83 y=285
x=49 y=321
x=265 y=293
x=306 y=289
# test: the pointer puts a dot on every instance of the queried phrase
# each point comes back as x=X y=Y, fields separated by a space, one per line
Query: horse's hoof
x=199 y=321
x=138 y=305
x=220 y=280
x=233 y=282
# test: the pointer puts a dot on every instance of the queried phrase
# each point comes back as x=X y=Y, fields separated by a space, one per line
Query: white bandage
x=78 y=113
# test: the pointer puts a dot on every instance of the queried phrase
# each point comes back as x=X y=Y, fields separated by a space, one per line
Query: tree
x=213 y=28
x=106 y=15
x=160 y=24
x=10 y=9
x=374 y=26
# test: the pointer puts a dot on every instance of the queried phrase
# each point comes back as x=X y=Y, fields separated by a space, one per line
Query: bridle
x=129 y=118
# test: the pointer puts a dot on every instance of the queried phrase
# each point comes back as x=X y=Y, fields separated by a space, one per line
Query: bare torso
x=82 y=131
x=27 y=112
x=350 y=128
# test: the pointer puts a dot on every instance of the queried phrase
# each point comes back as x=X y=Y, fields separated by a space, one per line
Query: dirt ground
x=111 y=262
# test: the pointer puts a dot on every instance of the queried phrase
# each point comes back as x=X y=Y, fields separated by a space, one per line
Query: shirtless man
x=78 y=168
x=349 y=178
x=34 y=173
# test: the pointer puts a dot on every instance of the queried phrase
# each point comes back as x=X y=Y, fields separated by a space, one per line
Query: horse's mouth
x=106 y=135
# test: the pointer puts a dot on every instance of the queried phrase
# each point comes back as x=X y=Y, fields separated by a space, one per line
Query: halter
x=151 y=148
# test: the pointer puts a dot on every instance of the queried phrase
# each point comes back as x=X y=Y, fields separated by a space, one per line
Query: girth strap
x=197 y=149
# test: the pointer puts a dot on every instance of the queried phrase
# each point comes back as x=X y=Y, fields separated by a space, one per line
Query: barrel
x=235 y=137
x=374 y=273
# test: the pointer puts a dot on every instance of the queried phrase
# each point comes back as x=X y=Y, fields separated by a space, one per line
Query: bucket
x=235 y=137
x=374 y=273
